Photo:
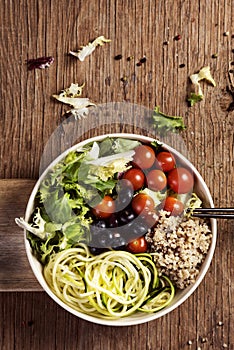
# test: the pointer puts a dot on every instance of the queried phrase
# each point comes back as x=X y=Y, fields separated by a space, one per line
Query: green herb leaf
x=165 y=123
x=194 y=98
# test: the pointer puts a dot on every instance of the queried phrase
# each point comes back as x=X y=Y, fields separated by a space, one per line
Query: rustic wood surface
x=29 y=116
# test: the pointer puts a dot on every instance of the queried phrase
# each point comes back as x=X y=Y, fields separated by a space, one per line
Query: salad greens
x=194 y=98
x=71 y=96
x=69 y=189
x=203 y=74
x=89 y=48
x=165 y=123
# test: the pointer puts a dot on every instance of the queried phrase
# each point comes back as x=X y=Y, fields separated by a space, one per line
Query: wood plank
x=15 y=271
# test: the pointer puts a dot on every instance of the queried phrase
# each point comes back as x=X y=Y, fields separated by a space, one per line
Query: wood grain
x=15 y=272
x=29 y=116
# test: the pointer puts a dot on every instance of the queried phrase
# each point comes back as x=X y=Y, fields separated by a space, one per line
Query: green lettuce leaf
x=194 y=98
x=164 y=123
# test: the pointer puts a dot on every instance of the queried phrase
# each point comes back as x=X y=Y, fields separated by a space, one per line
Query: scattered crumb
x=190 y=342
x=203 y=340
x=220 y=323
x=226 y=33
x=225 y=345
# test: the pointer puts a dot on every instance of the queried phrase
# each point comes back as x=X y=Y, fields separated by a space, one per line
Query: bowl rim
x=136 y=318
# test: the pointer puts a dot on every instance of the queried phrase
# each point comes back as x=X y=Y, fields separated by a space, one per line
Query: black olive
x=117 y=240
x=105 y=238
x=95 y=250
x=113 y=221
x=126 y=216
x=99 y=223
x=97 y=227
x=135 y=229
x=125 y=193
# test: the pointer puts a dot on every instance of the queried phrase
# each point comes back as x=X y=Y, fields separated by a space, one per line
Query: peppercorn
x=177 y=37
x=124 y=79
x=165 y=42
x=143 y=59
x=182 y=65
x=139 y=64
x=215 y=55
x=118 y=57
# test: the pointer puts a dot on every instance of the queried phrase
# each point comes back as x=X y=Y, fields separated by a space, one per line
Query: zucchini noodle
x=111 y=285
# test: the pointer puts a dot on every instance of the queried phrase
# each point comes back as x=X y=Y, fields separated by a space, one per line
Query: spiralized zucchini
x=111 y=285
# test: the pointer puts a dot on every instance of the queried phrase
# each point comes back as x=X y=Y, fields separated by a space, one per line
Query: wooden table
x=177 y=38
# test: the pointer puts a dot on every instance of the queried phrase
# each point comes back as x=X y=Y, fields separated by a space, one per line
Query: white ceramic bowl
x=137 y=318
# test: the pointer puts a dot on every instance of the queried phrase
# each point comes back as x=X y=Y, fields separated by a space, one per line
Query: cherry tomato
x=136 y=177
x=105 y=208
x=144 y=157
x=180 y=180
x=138 y=245
x=166 y=161
x=174 y=206
x=142 y=202
x=156 y=180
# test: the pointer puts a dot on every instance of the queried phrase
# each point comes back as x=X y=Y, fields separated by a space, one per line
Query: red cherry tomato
x=174 y=206
x=166 y=161
x=144 y=157
x=156 y=180
x=105 y=208
x=142 y=202
x=136 y=177
x=180 y=180
x=138 y=245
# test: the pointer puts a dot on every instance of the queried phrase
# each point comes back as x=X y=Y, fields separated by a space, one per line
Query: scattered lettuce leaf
x=203 y=74
x=194 y=98
x=89 y=48
x=78 y=113
x=71 y=96
x=76 y=102
x=165 y=123
x=74 y=90
x=40 y=62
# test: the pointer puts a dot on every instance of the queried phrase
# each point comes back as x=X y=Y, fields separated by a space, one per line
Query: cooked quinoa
x=179 y=246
